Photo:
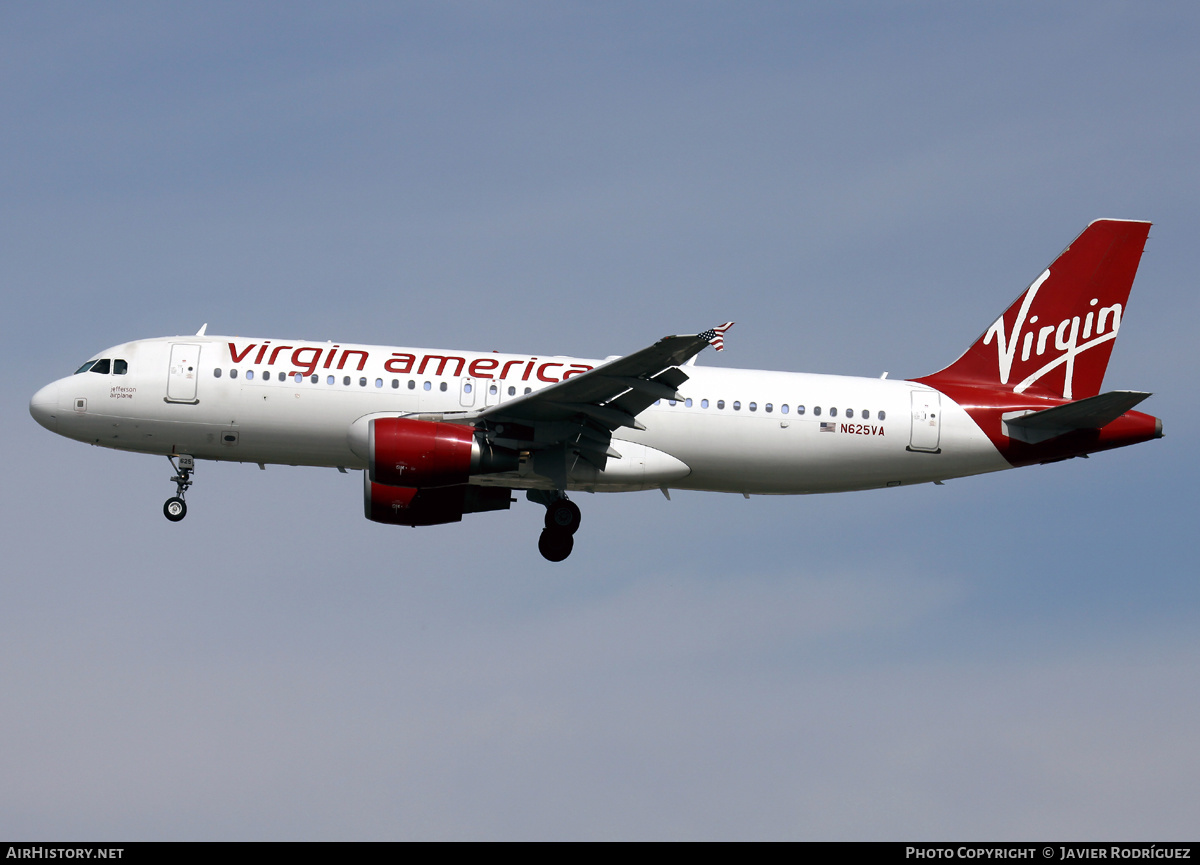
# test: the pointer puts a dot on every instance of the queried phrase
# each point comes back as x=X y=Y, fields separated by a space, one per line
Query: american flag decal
x=828 y=426
x=716 y=336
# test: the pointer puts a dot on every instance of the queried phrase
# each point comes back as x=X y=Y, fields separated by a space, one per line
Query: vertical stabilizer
x=1056 y=338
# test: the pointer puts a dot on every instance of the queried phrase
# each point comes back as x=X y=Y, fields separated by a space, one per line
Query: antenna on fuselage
x=203 y=328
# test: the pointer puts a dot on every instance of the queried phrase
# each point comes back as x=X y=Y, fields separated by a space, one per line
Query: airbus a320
x=442 y=433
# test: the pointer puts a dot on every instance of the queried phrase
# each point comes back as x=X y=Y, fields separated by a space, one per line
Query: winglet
x=716 y=336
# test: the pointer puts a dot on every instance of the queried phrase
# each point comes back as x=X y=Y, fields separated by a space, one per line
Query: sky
x=862 y=187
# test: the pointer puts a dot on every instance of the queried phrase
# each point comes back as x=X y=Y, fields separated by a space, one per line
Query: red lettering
x=479 y=364
x=542 y=370
x=259 y=358
x=400 y=357
x=507 y=364
x=442 y=366
x=237 y=358
x=346 y=352
x=329 y=357
x=528 y=369
x=306 y=366
x=275 y=353
x=576 y=369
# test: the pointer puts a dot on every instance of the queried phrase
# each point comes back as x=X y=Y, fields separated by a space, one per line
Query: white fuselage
x=736 y=430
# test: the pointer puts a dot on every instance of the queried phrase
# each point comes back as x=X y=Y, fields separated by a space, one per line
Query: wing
x=575 y=418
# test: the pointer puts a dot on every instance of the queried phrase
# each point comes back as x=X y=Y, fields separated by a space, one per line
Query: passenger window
x=442 y=387
x=688 y=402
x=428 y=386
x=528 y=390
x=783 y=408
x=720 y=403
x=769 y=408
x=512 y=391
x=817 y=410
x=378 y=382
x=362 y=381
x=249 y=375
x=233 y=373
x=658 y=402
x=316 y=379
x=346 y=381
x=493 y=390
x=329 y=379
x=703 y=403
x=412 y=384
x=799 y=409
x=395 y=383
x=217 y=372
x=849 y=412
x=102 y=366
x=737 y=405
x=299 y=377
x=833 y=412
x=883 y=415
x=753 y=406
x=85 y=367
x=865 y=414
x=670 y=402
x=467 y=387
x=120 y=367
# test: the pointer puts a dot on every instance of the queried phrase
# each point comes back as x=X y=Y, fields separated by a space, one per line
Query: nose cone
x=44 y=407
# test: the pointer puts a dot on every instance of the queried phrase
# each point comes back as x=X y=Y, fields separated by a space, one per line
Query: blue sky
x=861 y=186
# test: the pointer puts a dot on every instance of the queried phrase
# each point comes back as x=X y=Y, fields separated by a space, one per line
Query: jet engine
x=409 y=506
x=418 y=454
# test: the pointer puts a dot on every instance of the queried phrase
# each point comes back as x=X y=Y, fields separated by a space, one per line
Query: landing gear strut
x=175 y=508
x=562 y=521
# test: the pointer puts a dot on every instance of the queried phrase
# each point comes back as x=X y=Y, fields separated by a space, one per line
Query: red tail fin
x=1056 y=338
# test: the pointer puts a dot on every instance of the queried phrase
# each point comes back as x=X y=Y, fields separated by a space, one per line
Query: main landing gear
x=175 y=508
x=562 y=521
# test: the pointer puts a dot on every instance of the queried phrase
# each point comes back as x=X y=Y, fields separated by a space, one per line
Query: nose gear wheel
x=175 y=508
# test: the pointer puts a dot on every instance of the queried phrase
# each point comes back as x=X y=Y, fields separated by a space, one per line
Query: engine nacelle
x=403 y=452
x=417 y=453
x=409 y=506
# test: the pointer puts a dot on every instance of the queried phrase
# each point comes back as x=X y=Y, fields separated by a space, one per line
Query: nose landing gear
x=562 y=521
x=175 y=508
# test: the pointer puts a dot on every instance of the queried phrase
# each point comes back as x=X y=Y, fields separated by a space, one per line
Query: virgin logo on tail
x=1066 y=335
x=1062 y=325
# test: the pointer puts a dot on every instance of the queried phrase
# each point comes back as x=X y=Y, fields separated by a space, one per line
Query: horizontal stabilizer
x=1091 y=413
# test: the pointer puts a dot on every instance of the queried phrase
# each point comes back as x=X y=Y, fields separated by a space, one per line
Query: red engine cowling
x=408 y=506
x=418 y=453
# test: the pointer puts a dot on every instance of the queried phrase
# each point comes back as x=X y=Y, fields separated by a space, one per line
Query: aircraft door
x=491 y=393
x=926 y=421
x=466 y=394
x=183 y=373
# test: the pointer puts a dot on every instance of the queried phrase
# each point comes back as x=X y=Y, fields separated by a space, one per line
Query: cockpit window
x=85 y=367
x=102 y=366
x=120 y=367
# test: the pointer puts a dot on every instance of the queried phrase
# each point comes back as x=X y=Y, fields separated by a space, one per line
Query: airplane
x=439 y=434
